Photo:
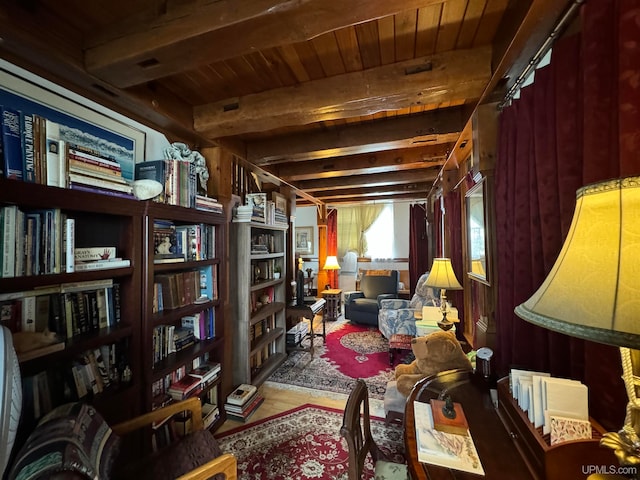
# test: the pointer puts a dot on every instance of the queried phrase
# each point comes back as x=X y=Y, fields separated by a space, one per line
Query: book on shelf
x=183 y=387
x=27 y=140
x=83 y=179
x=206 y=372
x=241 y=394
x=102 y=264
x=88 y=254
x=209 y=414
x=153 y=170
x=444 y=449
x=11 y=144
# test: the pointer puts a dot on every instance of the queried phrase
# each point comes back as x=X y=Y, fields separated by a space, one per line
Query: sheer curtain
x=577 y=124
x=353 y=222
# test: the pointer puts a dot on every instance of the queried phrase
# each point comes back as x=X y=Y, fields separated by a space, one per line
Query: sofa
x=398 y=315
x=362 y=306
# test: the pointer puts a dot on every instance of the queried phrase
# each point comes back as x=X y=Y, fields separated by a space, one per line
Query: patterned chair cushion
x=71 y=442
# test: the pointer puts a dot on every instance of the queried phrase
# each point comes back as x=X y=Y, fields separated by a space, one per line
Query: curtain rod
x=542 y=51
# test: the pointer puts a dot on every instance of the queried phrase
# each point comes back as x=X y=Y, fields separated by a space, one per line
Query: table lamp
x=331 y=263
x=593 y=290
x=442 y=276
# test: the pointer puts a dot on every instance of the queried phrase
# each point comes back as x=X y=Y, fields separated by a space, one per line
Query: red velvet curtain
x=453 y=238
x=419 y=261
x=437 y=228
x=332 y=244
x=577 y=124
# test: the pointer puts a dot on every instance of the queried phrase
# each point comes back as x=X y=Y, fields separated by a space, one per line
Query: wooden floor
x=278 y=400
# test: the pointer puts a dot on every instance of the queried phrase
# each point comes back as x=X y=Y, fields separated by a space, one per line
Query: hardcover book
x=153 y=170
x=11 y=144
x=27 y=137
x=241 y=394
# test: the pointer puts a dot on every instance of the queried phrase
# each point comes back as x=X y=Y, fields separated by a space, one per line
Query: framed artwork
x=78 y=124
x=304 y=240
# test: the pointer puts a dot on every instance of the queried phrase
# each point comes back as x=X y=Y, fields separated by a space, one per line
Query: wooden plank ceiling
x=349 y=101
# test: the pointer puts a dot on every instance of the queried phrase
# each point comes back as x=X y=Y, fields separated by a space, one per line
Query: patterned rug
x=303 y=443
x=351 y=351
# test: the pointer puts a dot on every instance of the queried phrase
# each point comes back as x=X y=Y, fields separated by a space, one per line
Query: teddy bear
x=435 y=352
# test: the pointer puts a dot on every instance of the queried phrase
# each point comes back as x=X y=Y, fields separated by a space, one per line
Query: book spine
x=97 y=182
x=53 y=154
x=9 y=241
x=100 y=191
x=27 y=137
x=75 y=152
x=86 y=254
x=11 y=144
x=102 y=265
x=69 y=247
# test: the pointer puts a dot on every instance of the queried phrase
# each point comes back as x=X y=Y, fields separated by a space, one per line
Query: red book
x=185 y=384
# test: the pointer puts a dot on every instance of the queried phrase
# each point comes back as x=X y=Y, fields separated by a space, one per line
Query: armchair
x=74 y=442
x=397 y=315
x=375 y=285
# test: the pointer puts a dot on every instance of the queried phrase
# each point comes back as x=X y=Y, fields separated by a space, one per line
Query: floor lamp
x=593 y=290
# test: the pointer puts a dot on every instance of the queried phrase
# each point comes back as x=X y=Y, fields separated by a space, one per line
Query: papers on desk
x=444 y=449
x=553 y=401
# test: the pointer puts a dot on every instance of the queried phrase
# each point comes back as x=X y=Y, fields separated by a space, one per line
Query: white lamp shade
x=593 y=290
x=331 y=263
x=442 y=275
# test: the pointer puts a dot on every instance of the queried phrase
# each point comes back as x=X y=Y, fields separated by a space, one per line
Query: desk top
x=331 y=291
x=497 y=451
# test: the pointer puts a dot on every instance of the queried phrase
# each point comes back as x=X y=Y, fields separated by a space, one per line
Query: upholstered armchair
x=397 y=315
x=375 y=285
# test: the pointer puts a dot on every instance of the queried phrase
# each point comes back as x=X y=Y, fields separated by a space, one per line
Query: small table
x=333 y=308
x=295 y=312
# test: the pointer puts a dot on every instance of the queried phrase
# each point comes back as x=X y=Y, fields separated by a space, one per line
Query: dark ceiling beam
x=377 y=162
x=429 y=128
x=370 y=181
x=152 y=44
x=419 y=189
x=435 y=79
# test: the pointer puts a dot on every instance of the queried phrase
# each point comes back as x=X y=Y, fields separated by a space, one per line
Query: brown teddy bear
x=436 y=352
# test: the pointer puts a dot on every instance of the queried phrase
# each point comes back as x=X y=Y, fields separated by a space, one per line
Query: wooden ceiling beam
x=374 y=180
x=429 y=128
x=434 y=79
x=154 y=43
x=397 y=189
x=378 y=162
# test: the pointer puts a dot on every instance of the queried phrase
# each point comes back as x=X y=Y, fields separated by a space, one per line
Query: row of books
x=180 y=243
x=178 y=178
x=178 y=289
x=243 y=402
x=160 y=387
x=168 y=339
x=90 y=373
x=35 y=242
x=559 y=405
x=68 y=309
x=195 y=382
x=34 y=151
x=270 y=212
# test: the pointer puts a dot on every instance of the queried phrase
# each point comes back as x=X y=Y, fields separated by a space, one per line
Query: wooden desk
x=498 y=454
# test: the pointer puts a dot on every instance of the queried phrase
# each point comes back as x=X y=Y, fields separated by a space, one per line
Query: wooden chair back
x=356 y=430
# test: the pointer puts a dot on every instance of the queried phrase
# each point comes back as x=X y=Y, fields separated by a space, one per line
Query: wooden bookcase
x=159 y=370
x=259 y=326
x=99 y=221
x=557 y=462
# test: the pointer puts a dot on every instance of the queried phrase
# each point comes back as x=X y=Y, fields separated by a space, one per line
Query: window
x=380 y=236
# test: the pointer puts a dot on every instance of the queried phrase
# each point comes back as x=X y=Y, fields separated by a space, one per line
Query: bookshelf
x=259 y=303
x=162 y=365
x=117 y=222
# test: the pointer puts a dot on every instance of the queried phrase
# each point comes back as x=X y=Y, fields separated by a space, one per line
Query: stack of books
x=208 y=204
x=206 y=373
x=184 y=388
x=243 y=402
x=98 y=258
x=91 y=171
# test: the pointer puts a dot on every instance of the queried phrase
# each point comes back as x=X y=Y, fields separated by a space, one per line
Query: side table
x=333 y=309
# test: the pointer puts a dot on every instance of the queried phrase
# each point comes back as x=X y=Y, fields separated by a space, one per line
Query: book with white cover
x=444 y=449
x=241 y=394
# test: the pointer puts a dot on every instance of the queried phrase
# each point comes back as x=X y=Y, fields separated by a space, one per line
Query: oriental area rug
x=351 y=351
x=303 y=443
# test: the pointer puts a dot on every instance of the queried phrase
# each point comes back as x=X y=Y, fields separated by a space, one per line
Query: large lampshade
x=442 y=275
x=593 y=290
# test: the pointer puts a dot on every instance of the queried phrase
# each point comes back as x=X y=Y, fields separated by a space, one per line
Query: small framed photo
x=304 y=240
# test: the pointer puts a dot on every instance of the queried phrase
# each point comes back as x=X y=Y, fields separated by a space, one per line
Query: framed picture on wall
x=304 y=240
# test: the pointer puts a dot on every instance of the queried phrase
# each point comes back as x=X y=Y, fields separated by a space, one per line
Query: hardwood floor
x=278 y=400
